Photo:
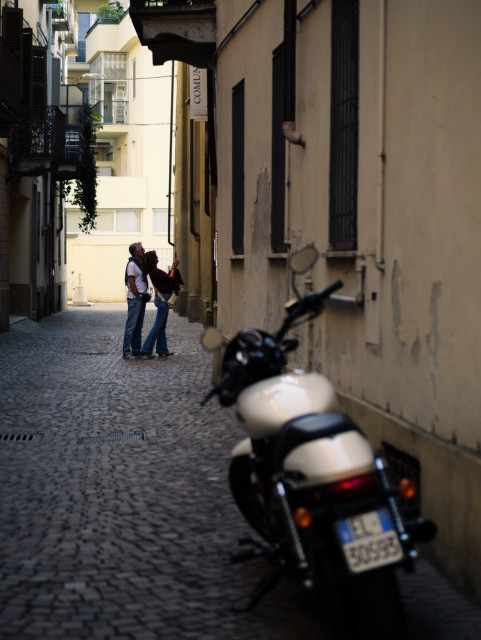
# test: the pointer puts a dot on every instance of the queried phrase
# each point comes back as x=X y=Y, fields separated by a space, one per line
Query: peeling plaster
x=396 y=298
x=416 y=350
x=260 y=222
x=432 y=338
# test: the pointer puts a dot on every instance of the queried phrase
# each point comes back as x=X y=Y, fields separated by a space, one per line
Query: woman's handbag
x=171 y=301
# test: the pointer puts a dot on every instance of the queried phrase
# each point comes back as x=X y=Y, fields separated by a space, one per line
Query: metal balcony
x=37 y=144
x=72 y=105
x=74 y=154
x=60 y=17
x=10 y=73
x=112 y=111
x=183 y=30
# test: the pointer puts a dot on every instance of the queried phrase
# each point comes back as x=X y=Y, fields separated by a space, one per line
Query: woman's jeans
x=133 y=326
x=157 y=333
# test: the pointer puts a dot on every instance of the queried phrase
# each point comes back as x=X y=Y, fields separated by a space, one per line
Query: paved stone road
x=131 y=540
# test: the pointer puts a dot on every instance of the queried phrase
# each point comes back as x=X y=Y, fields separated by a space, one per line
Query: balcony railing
x=10 y=72
x=37 y=144
x=182 y=30
x=41 y=133
x=74 y=144
x=74 y=154
x=65 y=20
x=168 y=3
x=113 y=111
x=60 y=17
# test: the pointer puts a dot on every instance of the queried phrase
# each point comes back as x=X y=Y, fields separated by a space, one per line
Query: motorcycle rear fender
x=330 y=459
x=320 y=448
x=242 y=448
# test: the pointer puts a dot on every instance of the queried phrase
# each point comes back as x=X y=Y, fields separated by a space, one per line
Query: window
x=105 y=221
x=127 y=221
x=160 y=222
x=108 y=90
x=238 y=115
x=73 y=221
x=109 y=222
x=344 y=124
x=103 y=150
x=278 y=160
x=85 y=21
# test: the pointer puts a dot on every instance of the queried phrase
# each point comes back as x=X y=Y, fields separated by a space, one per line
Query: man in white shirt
x=137 y=286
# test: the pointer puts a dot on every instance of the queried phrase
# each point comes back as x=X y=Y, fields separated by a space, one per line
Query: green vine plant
x=82 y=192
x=111 y=11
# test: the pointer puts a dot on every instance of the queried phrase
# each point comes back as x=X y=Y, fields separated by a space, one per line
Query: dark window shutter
x=343 y=168
x=27 y=68
x=55 y=80
x=12 y=26
x=39 y=83
x=343 y=175
x=238 y=118
x=278 y=160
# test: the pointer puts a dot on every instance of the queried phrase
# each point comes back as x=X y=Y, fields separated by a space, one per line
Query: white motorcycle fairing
x=266 y=406
x=331 y=459
x=325 y=460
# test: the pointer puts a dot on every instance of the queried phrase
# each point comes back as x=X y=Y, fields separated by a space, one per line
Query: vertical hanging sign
x=198 y=94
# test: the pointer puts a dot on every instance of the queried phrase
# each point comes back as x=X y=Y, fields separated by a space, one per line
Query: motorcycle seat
x=309 y=427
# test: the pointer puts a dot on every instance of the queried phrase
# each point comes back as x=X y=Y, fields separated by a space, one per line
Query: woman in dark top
x=164 y=283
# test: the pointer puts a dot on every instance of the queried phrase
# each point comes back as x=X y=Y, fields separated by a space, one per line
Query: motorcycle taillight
x=352 y=488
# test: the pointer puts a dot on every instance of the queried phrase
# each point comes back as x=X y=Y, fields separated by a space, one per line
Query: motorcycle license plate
x=369 y=540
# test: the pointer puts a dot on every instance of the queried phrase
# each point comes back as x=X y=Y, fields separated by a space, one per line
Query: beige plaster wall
x=412 y=352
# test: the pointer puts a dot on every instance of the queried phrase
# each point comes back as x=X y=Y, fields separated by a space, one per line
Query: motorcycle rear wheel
x=246 y=493
x=372 y=606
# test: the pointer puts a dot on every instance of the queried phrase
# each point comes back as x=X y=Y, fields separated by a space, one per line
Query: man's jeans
x=133 y=326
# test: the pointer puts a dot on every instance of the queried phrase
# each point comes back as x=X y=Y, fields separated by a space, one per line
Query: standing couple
x=139 y=266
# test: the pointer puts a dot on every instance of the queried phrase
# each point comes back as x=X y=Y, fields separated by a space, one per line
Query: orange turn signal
x=303 y=517
x=407 y=489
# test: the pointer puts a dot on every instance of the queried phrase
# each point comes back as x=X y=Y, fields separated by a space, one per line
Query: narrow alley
x=116 y=517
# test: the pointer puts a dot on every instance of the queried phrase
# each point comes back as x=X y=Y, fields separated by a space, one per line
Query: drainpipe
x=381 y=136
x=169 y=209
x=50 y=244
x=192 y=203
x=290 y=25
x=49 y=103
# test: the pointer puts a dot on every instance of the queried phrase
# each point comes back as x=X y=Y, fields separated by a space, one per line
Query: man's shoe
x=146 y=355
x=130 y=356
x=166 y=355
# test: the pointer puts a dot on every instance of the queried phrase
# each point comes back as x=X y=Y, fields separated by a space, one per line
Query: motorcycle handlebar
x=315 y=301
x=338 y=284
x=231 y=382
x=226 y=387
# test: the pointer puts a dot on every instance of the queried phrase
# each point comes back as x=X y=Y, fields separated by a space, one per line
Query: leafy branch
x=82 y=192
x=110 y=11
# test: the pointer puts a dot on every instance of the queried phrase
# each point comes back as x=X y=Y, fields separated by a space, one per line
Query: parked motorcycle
x=308 y=481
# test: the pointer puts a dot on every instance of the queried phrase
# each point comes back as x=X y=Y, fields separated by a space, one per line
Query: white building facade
x=134 y=156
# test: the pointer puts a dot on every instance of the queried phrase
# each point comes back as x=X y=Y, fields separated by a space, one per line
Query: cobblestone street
x=131 y=539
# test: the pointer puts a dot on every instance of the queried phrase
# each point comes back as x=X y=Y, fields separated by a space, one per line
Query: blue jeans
x=157 y=333
x=133 y=326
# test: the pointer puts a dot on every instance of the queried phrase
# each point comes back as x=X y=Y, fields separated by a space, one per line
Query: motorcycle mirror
x=304 y=259
x=211 y=339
